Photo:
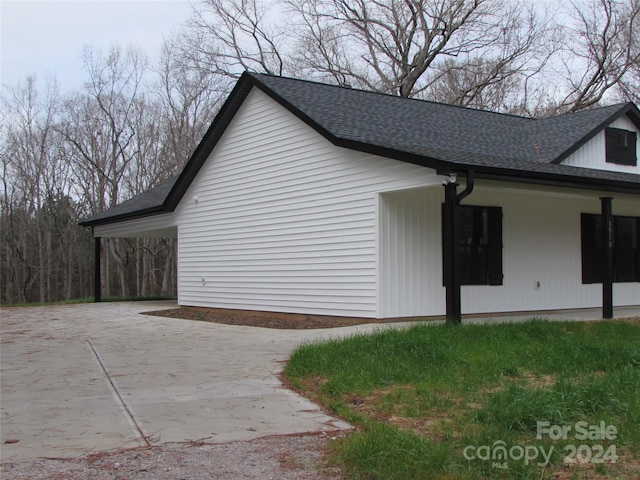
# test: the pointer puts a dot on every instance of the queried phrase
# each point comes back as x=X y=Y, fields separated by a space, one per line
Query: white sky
x=46 y=37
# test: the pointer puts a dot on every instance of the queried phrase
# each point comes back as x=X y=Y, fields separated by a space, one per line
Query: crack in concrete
x=115 y=391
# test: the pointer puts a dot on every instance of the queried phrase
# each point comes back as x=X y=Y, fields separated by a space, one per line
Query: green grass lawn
x=525 y=401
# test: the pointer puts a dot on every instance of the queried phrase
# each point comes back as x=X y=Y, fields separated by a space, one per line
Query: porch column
x=97 y=283
x=607 y=243
x=451 y=252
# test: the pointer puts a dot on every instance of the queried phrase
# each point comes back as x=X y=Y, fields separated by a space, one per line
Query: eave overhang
x=124 y=217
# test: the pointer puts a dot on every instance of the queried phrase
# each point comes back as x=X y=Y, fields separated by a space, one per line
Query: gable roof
x=147 y=203
x=444 y=137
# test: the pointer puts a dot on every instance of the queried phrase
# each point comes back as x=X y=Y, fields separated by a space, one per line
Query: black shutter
x=592 y=248
x=632 y=139
x=610 y=143
x=620 y=146
x=494 y=253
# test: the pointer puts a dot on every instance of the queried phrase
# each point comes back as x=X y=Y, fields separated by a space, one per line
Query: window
x=621 y=146
x=480 y=247
x=626 y=249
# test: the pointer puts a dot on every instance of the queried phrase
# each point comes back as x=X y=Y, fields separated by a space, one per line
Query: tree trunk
x=168 y=270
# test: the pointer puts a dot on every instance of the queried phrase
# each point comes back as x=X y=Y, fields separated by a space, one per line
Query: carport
x=139 y=217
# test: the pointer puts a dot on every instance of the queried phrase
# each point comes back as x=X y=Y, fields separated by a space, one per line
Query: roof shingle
x=426 y=133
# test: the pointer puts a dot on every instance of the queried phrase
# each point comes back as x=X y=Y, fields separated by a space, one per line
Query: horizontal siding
x=154 y=226
x=279 y=219
x=593 y=153
x=541 y=243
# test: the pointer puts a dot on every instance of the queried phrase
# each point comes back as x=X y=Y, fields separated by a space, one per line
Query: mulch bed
x=286 y=321
x=268 y=319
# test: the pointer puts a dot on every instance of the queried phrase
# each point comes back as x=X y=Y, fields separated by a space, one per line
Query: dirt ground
x=270 y=319
x=285 y=321
x=290 y=457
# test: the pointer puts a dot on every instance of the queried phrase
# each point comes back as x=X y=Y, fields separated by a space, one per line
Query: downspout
x=468 y=189
x=450 y=250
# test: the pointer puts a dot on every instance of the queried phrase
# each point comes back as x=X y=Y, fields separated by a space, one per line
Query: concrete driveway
x=78 y=379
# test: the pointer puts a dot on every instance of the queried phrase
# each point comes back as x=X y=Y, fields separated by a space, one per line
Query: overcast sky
x=45 y=37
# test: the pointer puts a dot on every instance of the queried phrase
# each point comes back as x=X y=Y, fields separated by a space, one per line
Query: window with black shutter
x=480 y=247
x=621 y=146
x=626 y=249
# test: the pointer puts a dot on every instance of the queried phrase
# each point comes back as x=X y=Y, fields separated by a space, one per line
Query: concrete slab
x=78 y=379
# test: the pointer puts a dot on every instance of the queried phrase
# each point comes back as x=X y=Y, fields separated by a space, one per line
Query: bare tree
x=388 y=45
x=422 y=47
x=39 y=218
x=467 y=52
x=499 y=77
x=65 y=159
x=602 y=52
x=99 y=124
x=31 y=161
x=189 y=96
x=105 y=129
x=228 y=37
x=629 y=85
x=492 y=54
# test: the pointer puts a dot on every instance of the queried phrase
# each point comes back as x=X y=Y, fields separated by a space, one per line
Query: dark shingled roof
x=444 y=137
x=442 y=133
x=146 y=203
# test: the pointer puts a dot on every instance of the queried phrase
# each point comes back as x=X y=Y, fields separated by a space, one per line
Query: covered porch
x=541 y=256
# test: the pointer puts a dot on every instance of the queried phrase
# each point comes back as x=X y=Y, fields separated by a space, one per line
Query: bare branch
x=233 y=36
x=604 y=52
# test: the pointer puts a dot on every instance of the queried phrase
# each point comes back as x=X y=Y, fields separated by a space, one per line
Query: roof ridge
x=613 y=106
x=257 y=76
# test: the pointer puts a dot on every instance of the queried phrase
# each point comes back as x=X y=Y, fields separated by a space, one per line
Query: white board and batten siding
x=593 y=153
x=410 y=253
x=542 y=252
x=542 y=263
x=279 y=219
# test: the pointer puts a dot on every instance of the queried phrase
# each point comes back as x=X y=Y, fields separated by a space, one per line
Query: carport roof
x=447 y=138
x=147 y=203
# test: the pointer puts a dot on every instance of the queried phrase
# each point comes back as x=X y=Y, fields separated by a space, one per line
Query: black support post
x=451 y=252
x=97 y=283
x=452 y=266
x=607 y=244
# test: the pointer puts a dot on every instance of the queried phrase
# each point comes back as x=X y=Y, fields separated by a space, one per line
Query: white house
x=310 y=198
